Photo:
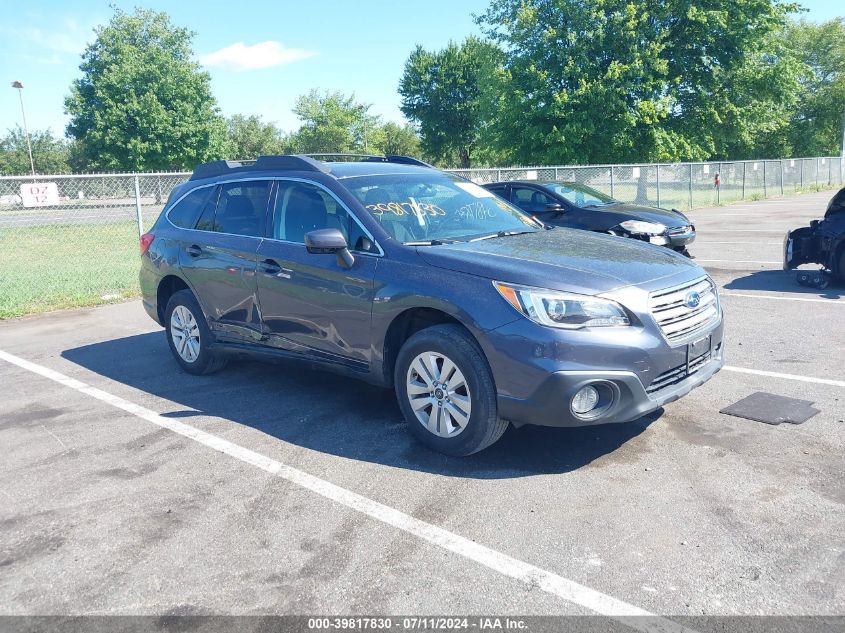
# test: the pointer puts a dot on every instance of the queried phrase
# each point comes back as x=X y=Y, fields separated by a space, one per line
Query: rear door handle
x=194 y=250
x=271 y=268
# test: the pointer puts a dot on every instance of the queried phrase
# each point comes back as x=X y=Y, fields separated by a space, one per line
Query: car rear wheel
x=446 y=392
x=188 y=335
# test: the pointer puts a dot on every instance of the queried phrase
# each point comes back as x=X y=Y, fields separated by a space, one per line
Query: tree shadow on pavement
x=336 y=415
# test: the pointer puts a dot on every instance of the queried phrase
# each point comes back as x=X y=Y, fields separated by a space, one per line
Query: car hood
x=668 y=218
x=562 y=259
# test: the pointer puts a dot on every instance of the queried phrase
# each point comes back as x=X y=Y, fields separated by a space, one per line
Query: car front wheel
x=188 y=335
x=446 y=391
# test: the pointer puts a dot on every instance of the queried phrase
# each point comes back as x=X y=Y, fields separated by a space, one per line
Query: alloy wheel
x=439 y=394
x=185 y=333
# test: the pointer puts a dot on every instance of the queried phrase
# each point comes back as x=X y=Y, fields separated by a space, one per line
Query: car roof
x=288 y=164
x=367 y=168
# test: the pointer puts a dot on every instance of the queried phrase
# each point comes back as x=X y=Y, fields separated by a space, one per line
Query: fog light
x=585 y=400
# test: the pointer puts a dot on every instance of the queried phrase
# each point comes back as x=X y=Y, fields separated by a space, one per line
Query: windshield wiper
x=429 y=243
x=499 y=234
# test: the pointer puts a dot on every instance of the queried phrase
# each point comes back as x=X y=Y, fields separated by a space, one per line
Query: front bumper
x=538 y=371
x=550 y=404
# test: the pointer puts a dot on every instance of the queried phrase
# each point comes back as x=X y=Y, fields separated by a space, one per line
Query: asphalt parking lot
x=150 y=495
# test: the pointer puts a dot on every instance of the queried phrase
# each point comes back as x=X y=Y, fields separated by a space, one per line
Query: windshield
x=436 y=207
x=579 y=195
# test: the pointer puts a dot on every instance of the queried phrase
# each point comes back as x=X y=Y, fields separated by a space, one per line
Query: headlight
x=562 y=309
x=646 y=228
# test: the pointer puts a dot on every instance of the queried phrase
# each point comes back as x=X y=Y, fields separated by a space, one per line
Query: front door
x=218 y=258
x=310 y=303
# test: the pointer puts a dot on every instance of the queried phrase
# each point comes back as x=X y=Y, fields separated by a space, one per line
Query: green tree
x=592 y=81
x=334 y=122
x=49 y=154
x=250 y=137
x=442 y=92
x=142 y=103
x=397 y=139
x=816 y=127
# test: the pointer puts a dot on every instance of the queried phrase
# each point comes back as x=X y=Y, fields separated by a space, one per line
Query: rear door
x=310 y=304
x=218 y=257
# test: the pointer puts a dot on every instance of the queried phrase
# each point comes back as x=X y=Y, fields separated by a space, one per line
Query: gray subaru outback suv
x=389 y=270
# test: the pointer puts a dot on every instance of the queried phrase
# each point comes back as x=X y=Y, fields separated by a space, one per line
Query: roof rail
x=293 y=162
x=407 y=160
x=374 y=158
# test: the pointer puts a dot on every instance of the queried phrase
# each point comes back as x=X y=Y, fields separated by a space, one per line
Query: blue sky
x=261 y=55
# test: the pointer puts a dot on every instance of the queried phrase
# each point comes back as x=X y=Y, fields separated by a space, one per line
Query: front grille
x=676 y=318
x=681 y=372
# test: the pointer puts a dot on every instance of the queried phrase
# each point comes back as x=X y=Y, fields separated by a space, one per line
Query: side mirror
x=552 y=206
x=328 y=241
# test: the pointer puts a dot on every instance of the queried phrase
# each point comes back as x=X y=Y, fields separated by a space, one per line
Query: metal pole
x=817 y=171
x=690 y=185
x=611 y=182
x=719 y=188
x=802 y=175
x=744 y=166
x=19 y=86
x=829 y=172
x=781 y=177
x=765 y=192
x=658 y=184
x=138 y=208
x=842 y=151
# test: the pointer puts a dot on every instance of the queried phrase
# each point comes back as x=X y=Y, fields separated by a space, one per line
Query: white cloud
x=239 y=56
x=54 y=44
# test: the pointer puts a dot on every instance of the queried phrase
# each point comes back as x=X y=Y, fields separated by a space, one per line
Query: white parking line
x=741 y=294
x=531 y=575
x=774 y=374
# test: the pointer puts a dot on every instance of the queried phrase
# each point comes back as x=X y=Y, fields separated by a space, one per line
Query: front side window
x=580 y=195
x=241 y=208
x=435 y=206
x=530 y=200
x=303 y=207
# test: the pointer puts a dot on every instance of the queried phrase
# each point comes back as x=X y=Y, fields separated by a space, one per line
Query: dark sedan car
x=577 y=206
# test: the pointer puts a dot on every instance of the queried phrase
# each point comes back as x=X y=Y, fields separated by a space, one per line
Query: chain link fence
x=73 y=240
x=684 y=185
x=69 y=241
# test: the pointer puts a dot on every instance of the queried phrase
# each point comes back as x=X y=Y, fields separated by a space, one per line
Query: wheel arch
x=407 y=323
x=167 y=287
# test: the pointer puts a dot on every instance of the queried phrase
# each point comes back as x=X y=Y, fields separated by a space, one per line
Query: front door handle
x=271 y=268
x=194 y=250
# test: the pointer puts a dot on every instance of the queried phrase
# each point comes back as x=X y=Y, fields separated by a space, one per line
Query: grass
x=66 y=265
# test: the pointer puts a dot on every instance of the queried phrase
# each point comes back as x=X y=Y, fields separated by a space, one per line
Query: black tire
x=207 y=361
x=484 y=426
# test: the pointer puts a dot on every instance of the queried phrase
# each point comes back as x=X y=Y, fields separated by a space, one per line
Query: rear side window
x=241 y=209
x=187 y=210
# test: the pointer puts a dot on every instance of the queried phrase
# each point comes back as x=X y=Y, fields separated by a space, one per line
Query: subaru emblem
x=692 y=299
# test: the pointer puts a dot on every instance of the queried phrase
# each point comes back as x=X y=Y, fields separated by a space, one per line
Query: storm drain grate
x=772 y=409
